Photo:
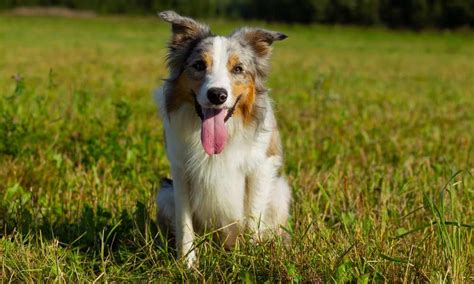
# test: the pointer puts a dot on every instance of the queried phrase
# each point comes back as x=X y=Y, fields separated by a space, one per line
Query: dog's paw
x=255 y=236
x=190 y=260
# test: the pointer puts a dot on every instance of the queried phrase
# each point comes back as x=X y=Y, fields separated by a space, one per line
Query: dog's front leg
x=184 y=224
x=259 y=184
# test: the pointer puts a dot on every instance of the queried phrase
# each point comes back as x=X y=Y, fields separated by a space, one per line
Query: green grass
x=377 y=125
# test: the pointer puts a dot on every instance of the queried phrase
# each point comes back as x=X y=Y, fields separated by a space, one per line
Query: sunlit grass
x=378 y=130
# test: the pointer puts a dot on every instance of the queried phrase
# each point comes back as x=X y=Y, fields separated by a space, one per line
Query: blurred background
x=414 y=14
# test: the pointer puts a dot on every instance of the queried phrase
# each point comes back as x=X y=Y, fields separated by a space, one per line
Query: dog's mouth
x=213 y=129
x=199 y=108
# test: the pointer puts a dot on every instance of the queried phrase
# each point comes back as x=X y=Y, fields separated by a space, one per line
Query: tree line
x=392 y=13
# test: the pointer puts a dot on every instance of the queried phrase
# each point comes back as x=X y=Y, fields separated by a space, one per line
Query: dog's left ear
x=185 y=30
x=186 y=34
x=259 y=39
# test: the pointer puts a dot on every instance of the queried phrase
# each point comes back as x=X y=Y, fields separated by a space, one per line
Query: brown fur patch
x=242 y=85
x=186 y=31
x=246 y=89
x=180 y=92
x=274 y=149
x=245 y=106
x=207 y=59
x=233 y=60
x=259 y=42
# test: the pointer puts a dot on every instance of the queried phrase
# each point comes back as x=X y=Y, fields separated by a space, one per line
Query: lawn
x=377 y=127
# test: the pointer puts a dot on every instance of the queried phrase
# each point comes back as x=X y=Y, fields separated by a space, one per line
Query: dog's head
x=220 y=75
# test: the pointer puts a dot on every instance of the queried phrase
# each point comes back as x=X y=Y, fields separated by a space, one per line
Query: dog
x=221 y=137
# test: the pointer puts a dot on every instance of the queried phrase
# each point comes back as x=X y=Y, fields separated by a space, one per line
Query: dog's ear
x=259 y=39
x=185 y=30
x=260 y=43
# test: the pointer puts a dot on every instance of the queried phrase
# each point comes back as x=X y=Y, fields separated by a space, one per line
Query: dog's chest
x=217 y=185
x=218 y=189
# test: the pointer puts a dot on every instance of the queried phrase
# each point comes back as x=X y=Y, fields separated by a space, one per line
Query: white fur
x=212 y=189
x=219 y=75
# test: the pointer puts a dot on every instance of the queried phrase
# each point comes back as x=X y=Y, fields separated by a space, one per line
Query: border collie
x=221 y=136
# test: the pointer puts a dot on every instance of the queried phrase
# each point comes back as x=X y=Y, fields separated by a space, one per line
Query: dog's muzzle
x=198 y=107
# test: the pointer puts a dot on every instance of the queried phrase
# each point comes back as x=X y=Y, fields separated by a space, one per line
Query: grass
x=378 y=128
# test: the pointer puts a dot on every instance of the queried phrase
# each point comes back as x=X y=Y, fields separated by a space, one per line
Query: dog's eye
x=199 y=65
x=238 y=69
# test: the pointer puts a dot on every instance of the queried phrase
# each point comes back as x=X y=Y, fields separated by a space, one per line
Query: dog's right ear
x=185 y=30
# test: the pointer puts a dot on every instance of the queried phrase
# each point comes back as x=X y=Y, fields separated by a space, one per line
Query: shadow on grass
x=96 y=231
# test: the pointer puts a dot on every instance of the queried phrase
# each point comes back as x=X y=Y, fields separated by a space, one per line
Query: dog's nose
x=217 y=96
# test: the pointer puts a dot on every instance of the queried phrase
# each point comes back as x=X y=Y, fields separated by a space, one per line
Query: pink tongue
x=213 y=131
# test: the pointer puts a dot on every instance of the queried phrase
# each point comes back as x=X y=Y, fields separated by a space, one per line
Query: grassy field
x=377 y=126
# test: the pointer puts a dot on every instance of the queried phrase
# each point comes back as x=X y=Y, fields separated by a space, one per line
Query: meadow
x=377 y=127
